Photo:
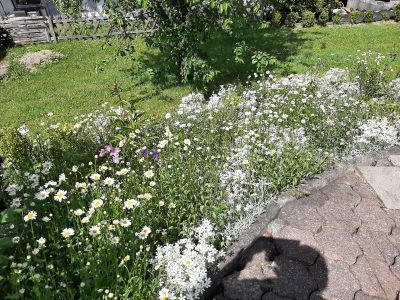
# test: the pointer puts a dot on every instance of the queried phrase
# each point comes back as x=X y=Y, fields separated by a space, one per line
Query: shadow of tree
x=272 y=269
x=218 y=52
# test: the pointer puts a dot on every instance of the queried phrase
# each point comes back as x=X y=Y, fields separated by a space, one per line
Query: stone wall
x=371 y=4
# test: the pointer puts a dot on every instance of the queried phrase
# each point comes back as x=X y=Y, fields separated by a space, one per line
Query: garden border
x=259 y=226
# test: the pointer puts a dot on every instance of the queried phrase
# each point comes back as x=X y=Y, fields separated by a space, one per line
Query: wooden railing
x=39 y=29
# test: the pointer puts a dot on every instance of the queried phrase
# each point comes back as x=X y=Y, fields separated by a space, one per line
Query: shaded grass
x=72 y=86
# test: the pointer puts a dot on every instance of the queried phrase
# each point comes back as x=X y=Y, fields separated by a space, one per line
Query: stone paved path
x=340 y=242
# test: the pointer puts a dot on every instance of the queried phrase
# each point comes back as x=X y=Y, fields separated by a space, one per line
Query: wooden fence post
x=51 y=28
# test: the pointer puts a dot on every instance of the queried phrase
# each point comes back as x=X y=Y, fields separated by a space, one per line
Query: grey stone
x=341 y=283
x=367 y=243
x=367 y=279
x=302 y=216
x=337 y=243
x=385 y=246
x=297 y=244
x=342 y=193
x=362 y=296
x=374 y=217
x=336 y=212
x=395 y=268
x=383 y=163
x=386 y=183
x=395 y=160
x=394 y=237
x=293 y=279
x=389 y=282
x=273 y=296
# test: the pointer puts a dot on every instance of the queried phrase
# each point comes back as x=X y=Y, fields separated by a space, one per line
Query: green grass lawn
x=72 y=86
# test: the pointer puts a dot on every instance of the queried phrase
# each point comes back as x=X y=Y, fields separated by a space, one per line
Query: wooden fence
x=39 y=29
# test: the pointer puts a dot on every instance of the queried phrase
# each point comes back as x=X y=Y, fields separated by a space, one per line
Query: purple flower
x=144 y=152
x=102 y=152
x=116 y=159
x=156 y=154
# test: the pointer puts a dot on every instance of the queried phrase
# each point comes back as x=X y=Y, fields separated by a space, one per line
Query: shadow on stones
x=6 y=42
x=272 y=269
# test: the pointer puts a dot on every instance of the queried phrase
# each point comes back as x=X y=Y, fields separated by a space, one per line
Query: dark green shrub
x=337 y=19
x=368 y=16
x=5 y=42
x=385 y=16
x=354 y=16
x=323 y=18
x=396 y=13
x=291 y=19
x=276 y=18
x=308 y=19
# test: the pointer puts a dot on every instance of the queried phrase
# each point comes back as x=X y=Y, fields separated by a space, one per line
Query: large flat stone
x=386 y=183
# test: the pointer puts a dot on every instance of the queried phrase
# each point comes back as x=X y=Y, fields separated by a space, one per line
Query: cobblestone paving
x=338 y=243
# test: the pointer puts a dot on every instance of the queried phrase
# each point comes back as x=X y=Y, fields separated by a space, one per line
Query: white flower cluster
x=184 y=264
x=192 y=103
x=378 y=132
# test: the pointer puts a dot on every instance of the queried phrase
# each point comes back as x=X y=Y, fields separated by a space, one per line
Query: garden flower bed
x=113 y=207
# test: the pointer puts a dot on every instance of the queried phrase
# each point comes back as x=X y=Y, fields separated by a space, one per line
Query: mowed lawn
x=83 y=80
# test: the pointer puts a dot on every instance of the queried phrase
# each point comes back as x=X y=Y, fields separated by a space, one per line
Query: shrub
x=308 y=19
x=396 y=13
x=291 y=19
x=385 y=16
x=368 y=16
x=323 y=18
x=5 y=41
x=354 y=16
x=276 y=18
x=337 y=18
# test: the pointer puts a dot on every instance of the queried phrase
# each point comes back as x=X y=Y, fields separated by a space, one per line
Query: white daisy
x=79 y=212
x=149 y=174
x=130 y=203
x=95 y=177
x=41 y=241
x=30 y=216
x=97 y=203
x=125 y=222
x=109 y=181
x=42 y=195
x=144 y=233
x=60 y=195
x=67 y=232
x=94 y=230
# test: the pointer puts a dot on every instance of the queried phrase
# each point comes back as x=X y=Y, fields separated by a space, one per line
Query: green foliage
x=368 y=16
x=197 y=71
x=5 y=42
x=241 y=48
x=396 y=13
x=385 y=16
x=323 y=18
x=337 y=18
x=291 y=19
x=308 y=19
x=354 y=16
x=276 y=18
x=263 y=61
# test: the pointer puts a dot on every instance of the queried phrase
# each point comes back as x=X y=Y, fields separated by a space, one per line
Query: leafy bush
x=396 y=13
x=323 y=18
x=276 y=18
x=368 y=16
x=354 y=16
x=308 y=19
x=385 y=16
x=337 y=18
x=263 y=61
x=5 y=41
x=291 y=19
